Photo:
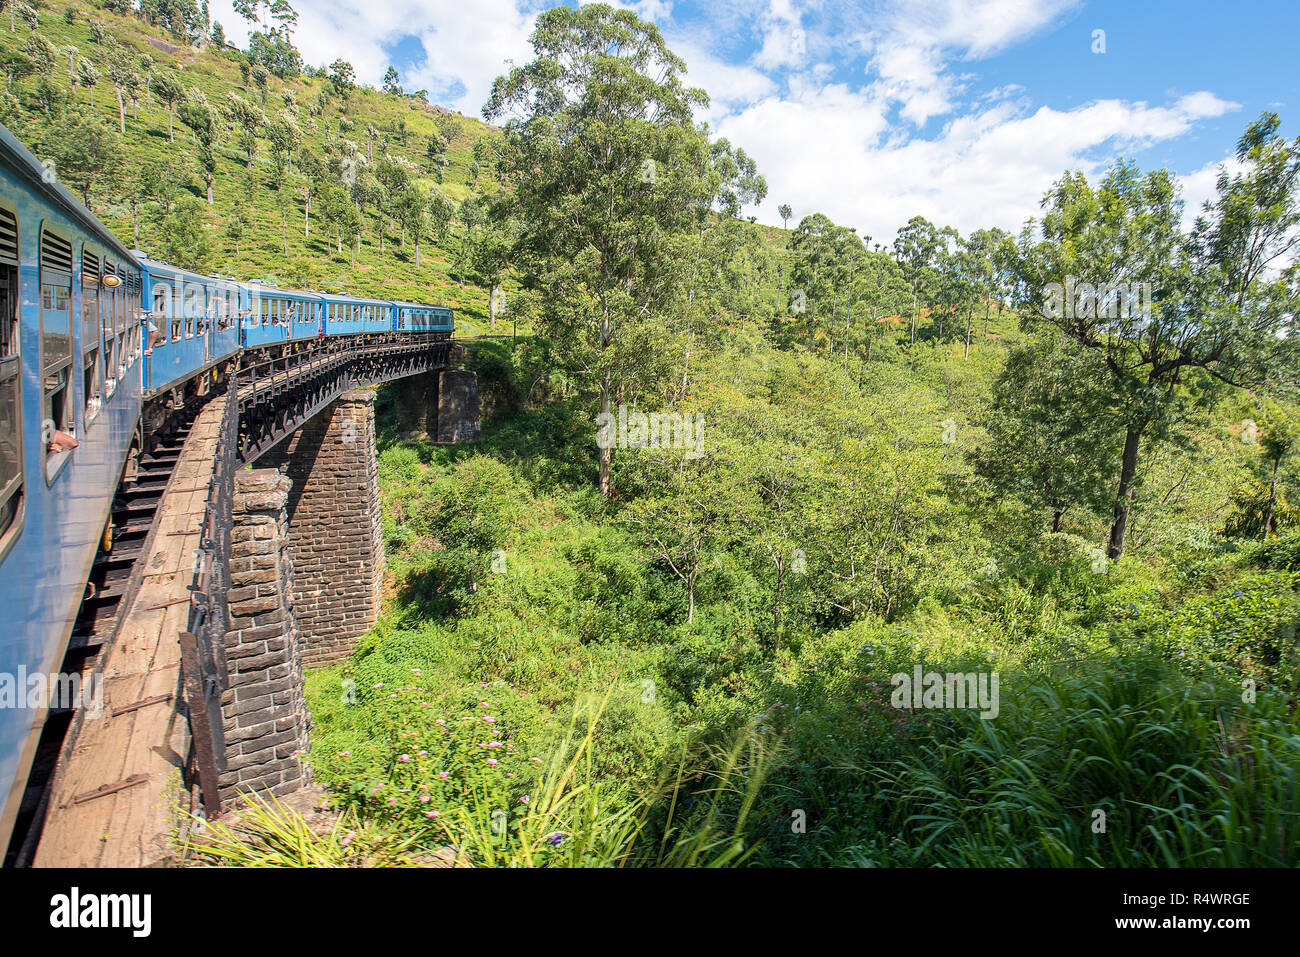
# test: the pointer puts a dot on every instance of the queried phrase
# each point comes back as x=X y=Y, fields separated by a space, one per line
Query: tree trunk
x=171 y=124
x=492 y=306
x=121 y=111
x=306 y=214
x=1057 y=515
x=776 y=601
x=915 y=308
x=1272 y=497
x=607 y=453
x=969 y=316
x=210 y=198
x=1124 y=498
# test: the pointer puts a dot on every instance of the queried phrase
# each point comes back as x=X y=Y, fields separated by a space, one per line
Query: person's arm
x=153 y=337
x=62 y=441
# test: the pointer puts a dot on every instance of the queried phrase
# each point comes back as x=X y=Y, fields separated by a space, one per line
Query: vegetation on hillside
x=1062 y=459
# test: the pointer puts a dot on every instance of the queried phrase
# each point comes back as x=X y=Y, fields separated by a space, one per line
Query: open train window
x=91 y=371
x=11 y=384
x=58 y=420
x=134 y=315
x=190 y=308
x=159 y=314
x=113 y=309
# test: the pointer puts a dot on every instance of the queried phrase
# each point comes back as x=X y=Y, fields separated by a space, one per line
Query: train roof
x=417 y=305
x=263 y=289
x=338 y=297
x=158 y=266
x=18 y=156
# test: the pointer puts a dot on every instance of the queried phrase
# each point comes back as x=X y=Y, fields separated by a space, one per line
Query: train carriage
x=275 y=315
x=78 y=395
x=70 y=372
x=350 y=316
x=196 y=320
x=415 y=317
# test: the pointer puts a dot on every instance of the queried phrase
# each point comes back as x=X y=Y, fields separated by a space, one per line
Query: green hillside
x=164 y=175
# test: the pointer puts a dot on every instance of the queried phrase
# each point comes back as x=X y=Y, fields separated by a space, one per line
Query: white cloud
x=830 y=149
x=912 y=41
x=823 y=144
x=466 y=44
x=785 y=42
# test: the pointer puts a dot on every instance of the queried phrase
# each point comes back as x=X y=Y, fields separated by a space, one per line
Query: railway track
x=114 y=577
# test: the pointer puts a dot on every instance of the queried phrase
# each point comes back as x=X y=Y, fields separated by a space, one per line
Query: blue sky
x=870 y=112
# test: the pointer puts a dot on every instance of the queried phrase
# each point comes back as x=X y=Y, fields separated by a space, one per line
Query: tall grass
x=1185 y=774
x=694 y=816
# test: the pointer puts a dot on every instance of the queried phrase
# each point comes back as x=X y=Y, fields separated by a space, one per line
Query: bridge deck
x=132 y=826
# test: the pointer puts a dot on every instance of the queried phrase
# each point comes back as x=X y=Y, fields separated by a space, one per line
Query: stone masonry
x=335 y=541
x=266 y=717
x=458 y=412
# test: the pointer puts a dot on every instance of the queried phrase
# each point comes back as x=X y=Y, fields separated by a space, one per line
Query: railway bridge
x=249 y=547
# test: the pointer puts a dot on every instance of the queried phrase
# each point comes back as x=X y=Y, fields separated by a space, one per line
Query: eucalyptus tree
x=87 y=76
x=492 y=234
x=247 y=118
x=991 y=252
x=195 y=113
x=122 y=74
x=916 y=249
x=609 y=172
x=169 y=91
x=829 y=260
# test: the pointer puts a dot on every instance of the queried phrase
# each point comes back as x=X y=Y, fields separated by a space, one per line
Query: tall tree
x=121 y=72
x=199 y=117
x=608 y=169
x=169 y=91
x=1045 y=425
x=1113 y=271
x=916 y=249
x=84 y=151
x=248 y=119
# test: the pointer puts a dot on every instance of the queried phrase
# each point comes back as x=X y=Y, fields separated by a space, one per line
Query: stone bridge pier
x=307 y=561
x=335 y=543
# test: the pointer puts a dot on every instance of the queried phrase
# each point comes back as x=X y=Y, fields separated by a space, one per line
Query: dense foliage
x=1062 y=459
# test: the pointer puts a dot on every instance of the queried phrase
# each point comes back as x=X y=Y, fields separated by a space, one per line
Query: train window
x=136 y=317
x=113 y=310
x=159 y=314
x=11 y=381
x=92 y=373
x=58 y=412
x=111 y=344
x=176 y=320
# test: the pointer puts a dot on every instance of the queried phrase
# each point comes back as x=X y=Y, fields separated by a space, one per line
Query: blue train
x=96 y=342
